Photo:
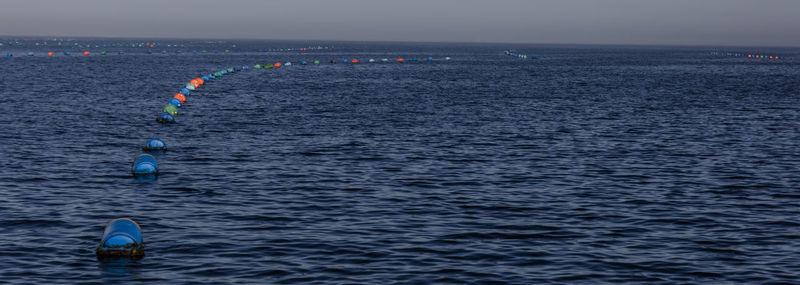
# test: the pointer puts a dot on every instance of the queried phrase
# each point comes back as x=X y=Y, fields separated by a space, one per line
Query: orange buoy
x=50 y=53
x=355 y=60
x=195 y=83
x=180 y=97
x=86 y=52
x=200 y=80
x=399 y=60
x=277 y=64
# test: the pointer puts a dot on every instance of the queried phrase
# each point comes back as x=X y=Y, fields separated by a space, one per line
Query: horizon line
x=405 y=41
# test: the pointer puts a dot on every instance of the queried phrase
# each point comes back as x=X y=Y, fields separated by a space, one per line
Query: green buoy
x=171 y=109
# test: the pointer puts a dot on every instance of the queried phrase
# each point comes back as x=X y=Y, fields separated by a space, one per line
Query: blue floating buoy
x=245 y=67
x=211 y=76
x=430 y=59
x=236 y=68
x=176 y=102
x=8 y=54
x=155 y=144
x=165 y=118
x=185 y=91
x=204 y=77
x=303 y=62
x=144 y=164
x=163 y=52
x=30 y=53
x=121 y=238
x=67 y=53
x=447 y=58
x=413 y=59
x=344 y=61
x=287 y=64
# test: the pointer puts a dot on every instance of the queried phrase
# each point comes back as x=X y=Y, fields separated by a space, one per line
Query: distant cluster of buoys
x=747 y=55
x=343 y=61
x=50 y=53
x=300 y=48
x=67 y=53
x=514 y=53
x=74 y=43
x=164 y=51
x=78 y=44
x=149 y=46
x=372 y=60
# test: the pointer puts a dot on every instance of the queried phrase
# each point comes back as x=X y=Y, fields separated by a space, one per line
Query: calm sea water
x=591 y=164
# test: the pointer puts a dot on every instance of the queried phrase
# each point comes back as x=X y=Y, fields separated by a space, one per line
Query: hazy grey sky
x=712 y=22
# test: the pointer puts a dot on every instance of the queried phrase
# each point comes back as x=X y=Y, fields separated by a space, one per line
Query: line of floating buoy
x=300 y=48
x=164 y=51
x=747 y=55
x=372 y=60
x=513 y=53
x=316 y=62
x=123 y=237
x=50 y=53
x=146 y=164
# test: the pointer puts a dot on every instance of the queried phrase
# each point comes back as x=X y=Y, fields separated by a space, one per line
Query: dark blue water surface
x=589 y=165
